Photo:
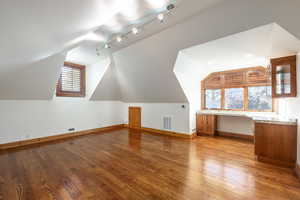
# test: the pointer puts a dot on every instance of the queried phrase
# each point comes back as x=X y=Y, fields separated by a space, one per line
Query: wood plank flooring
x=127 y=164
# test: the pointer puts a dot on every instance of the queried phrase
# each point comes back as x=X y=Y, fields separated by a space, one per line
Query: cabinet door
x=210 y=124
x=206 y=124
x=200 y=123
x=276 y=144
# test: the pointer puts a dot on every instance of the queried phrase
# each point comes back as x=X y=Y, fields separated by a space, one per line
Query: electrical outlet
x=194 y=130
x=71 y=129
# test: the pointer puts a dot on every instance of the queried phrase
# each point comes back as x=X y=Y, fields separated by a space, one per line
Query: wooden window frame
x=222 y=86
x=61 y=93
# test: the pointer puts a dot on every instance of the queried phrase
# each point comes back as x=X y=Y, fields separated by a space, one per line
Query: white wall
x=95 y=73
x=109 y=87
x=28 y=119
x=291 y=106
x=153 y=113
x=240 y=125
x=22 y=120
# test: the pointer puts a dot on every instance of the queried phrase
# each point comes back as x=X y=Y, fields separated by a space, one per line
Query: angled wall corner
x=108 y=88
x=190 y=83
x=95 y=73
x=36 y=81
x=145 y=71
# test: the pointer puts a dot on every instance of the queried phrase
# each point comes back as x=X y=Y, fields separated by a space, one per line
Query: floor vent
x=167 y=122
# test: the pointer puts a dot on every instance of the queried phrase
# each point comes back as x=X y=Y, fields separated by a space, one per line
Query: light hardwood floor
x=127 y=164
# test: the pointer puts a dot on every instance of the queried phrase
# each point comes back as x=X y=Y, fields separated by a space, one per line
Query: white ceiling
x=145 y=69
x=145 y=11
x=250 y=48
x=33 y=30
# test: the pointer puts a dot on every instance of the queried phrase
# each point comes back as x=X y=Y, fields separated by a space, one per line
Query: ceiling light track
x=136 y=29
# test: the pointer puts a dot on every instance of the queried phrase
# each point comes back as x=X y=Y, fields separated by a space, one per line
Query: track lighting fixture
x=119 y=39
x=161 y=17
x=135 y=30
x=170 y=7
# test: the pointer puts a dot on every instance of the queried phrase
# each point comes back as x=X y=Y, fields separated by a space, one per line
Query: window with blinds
x=72 y=81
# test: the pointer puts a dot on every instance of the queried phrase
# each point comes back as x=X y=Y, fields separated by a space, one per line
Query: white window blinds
x=70 y=79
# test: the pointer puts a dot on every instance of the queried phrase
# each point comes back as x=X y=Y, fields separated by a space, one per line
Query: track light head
x=135 y=30
x=161 y=17
x=119 y=39
x=170 y=7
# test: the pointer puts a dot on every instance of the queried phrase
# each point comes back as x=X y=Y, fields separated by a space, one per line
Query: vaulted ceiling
x=36 y=36
x=145 y=70
x=250 y=48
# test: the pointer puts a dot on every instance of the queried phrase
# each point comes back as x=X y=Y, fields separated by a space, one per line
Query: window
x=247 y=89
x=213 y=99
x=72 y=81
x=234 y=98
x=260 y=98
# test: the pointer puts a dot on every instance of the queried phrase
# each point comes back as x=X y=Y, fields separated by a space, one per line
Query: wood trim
x=58 y=137
x=245 y=82
x=169 y=133
x=289 y=60
x=275 y=162
x=222 y=99
x=82 y=92
x=246 y=98
x=235 y=135
x=297 y=170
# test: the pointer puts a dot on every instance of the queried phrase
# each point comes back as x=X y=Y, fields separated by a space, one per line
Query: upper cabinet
x=284 y=77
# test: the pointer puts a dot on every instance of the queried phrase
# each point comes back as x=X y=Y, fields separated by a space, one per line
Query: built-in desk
x=262 y=117
x=275 y=136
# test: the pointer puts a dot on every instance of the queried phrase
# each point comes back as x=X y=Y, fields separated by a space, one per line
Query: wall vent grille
x=167 y=122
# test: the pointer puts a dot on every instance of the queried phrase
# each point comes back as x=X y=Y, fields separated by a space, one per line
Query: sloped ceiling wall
x=33 y=81
x=145 y=73
x=108 y=88
x=33 y=36
x=145 y=69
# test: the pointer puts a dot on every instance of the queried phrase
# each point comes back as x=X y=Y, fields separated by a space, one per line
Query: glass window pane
x=260 y=98
x=234 y=98
x=283 y=79
x=213 y=99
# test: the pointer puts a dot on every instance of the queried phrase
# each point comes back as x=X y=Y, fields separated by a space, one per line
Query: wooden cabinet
x=206 y=124
x=276 y=144
x=284 y=77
